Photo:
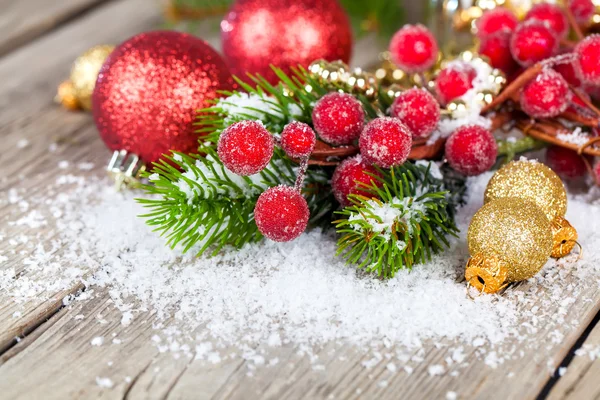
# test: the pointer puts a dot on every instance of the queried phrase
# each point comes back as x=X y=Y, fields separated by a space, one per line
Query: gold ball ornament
x=66 y=96
x=84 y=74
x=536 y=182
x=510 y=240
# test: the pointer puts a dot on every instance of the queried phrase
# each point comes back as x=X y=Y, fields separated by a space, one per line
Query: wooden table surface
x=45 y=352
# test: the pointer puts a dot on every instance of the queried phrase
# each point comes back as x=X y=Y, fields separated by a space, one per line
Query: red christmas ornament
x=245 y=147
x=281 y=213
x=338 y=118
x=298 y=139
x=496 y=47
x=498 y=19
x=471 y=150
x=452 y=82
x=149 y=90
x=533 y=41
x=588 y=63
x=565 y=162
x=385 y=142
x=418 y=110
x=545 y=96
x=552 y=16
x=582 y=10
x=258 y=33
x=414 y=48
x=349 y=175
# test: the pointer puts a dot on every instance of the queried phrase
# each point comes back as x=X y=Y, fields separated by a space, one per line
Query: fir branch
x=403 y=220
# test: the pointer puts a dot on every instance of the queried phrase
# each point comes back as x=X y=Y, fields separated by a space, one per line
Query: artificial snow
x=295 y=294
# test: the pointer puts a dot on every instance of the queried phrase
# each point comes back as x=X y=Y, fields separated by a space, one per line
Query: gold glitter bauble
x=85 y=72
x=529 y=180
x=510 y=240
x=66 y=96
x=564 y=237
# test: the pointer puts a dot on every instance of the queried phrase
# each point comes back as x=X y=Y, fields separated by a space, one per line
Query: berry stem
x=547 y=133
x=301 y=174
x=580 y=119
x=573 y=22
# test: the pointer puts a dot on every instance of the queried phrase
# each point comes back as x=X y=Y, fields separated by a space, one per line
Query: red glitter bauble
x=551 y=15
x=588 y=63
x=281 y=213
x=258 y=33
x=414 y=48
x=533 y=41
x=298 y=139
x=565 y=162
x=452 y=82
x=496 y=20
x=418 y=110
x=545 y=96
x=496 y=47
x=349 y=175
x=385 y=142
x=471 y=150
x=338 y=118
x=582 y=10
x=149 y=90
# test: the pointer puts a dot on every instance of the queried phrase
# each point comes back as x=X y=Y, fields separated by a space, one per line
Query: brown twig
x=513 y=88
x=585 y=100
x=580 y=119
x=573 y=22
x=547 y=133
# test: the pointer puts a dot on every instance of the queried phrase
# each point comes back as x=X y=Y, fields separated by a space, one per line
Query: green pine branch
x=403 y=220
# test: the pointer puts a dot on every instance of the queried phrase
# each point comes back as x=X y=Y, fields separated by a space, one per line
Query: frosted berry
x=418 y=110
x=551 y=15
x=281 y=213
x=414 y=48
x=565 y=162
x=245 y=147
x=452 y=82
x=338 y=118
x=582 y=10
x=496 y=48
x=496 y=20
x=577 y=103
x=588 y=63
x=567 y=70
x=545 y=96
x=298 y=139
x=533 y=41
x=349 y=175
x=385 y=142
x=471 y=150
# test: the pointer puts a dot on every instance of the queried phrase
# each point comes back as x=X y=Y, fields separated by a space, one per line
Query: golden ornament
x=66 y=96
x=510 y=240
x=83 y=76
x=564 y=237
x=337 y=75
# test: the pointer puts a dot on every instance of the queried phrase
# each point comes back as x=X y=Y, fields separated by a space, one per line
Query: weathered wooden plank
x=24 y=20
x=580 y=380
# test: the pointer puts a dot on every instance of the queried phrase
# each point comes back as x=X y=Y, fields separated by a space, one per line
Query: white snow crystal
x=97 y=341
x=104 y=382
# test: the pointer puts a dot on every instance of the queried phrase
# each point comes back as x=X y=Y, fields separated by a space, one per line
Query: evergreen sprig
x=401 y=220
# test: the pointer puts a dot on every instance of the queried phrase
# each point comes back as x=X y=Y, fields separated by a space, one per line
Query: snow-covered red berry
x=533 y=41
x=577 y=102
x=582 y=10
x=338 y=118
x=567 y=70
x=496 y=20
x=588 y=63
x=471 y=150
x=496 y=47
x=545 y=96
x=414 y=48
x=565 y=162
x=452 y=82
x=349 y=177
x=552 y=16
x=298 y=139
x=418 y=110
x=281 y=213
x=385 y=142
x=245 y=147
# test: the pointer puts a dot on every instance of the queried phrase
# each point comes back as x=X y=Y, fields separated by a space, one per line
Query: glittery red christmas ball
x=552 y=16
x=258 y=33
x=149 y=90
x=245 y=147
x=418 y=110
x=471 y=150
x=414 y=48
x=588 y=63
x=565 y=162
x=545 y=96
x=533 y=41
x=496 y=20
x=281 y=213
x=349 y=175
x=385 y=142
x=338 y=118
x=298 y=139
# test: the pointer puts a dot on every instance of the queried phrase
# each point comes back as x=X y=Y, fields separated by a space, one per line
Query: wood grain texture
x=24 y=20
